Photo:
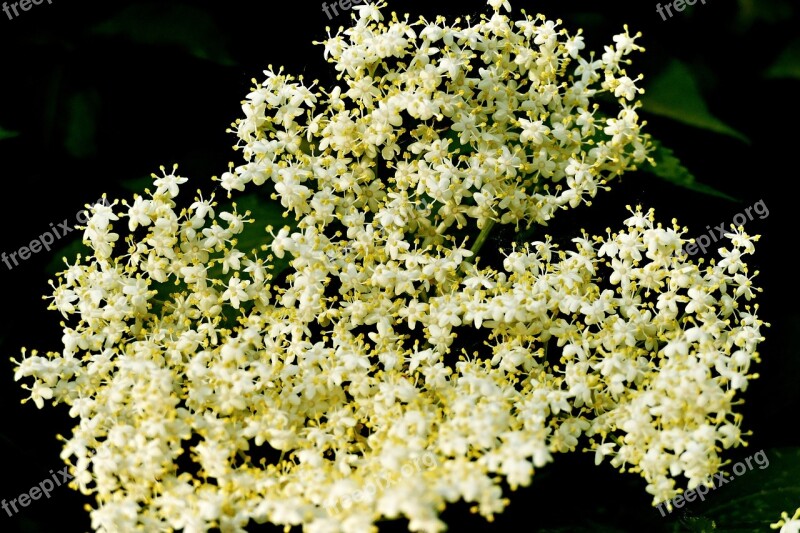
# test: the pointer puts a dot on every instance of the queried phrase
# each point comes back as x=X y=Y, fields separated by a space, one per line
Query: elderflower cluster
x=212 y=391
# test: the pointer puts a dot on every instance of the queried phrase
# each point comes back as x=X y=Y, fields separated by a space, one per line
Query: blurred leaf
x=588 y=19
x=788 y=63
x=669 y=168
x=80 y=137
x=7 y=134
x=186 y=27
x=586 y=526
x=770 y=11
x=674 y=94
x=138 y=184
x=757 y=497
x=695 y=524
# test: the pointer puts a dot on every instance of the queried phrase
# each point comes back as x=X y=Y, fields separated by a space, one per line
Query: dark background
x=101 y=95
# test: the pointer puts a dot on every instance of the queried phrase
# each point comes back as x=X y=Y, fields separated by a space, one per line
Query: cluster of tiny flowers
x=211 y=392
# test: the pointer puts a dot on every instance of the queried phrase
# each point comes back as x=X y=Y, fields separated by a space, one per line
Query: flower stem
x=481 y=240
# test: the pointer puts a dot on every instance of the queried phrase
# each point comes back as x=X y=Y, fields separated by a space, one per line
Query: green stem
x=481 y=240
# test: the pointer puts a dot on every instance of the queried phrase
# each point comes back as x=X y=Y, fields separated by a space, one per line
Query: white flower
x=168 y=184
x=787 y=524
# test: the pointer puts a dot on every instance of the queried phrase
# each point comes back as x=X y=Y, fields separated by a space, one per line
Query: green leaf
x=265 y=213
x=788 y=63
x=80 y=137
x=756 y=498
x=669 y=168
x=186 y=27
x=674 y=94
x=7 y=134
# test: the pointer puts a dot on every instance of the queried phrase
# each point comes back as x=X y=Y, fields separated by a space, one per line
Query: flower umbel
x=388 y=341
